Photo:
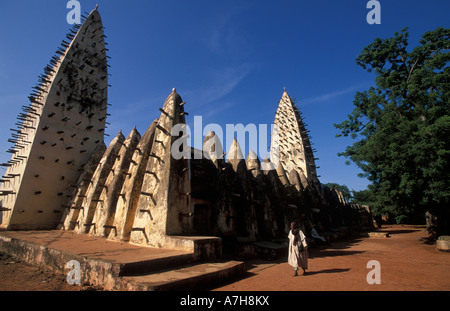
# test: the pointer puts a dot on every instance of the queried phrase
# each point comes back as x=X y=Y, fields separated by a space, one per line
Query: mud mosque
x=63 y=177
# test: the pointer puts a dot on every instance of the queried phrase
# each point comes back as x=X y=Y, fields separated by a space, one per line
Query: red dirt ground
x=19 y=276
x=407 y=264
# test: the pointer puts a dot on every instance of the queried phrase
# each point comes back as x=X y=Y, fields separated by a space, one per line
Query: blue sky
x=229 y=60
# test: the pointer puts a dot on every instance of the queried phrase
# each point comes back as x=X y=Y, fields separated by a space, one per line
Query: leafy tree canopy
x=363 y=197
x=401 y=127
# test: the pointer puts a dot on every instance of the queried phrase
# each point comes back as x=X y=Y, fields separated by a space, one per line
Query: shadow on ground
x=337 y=248
x=328 y=271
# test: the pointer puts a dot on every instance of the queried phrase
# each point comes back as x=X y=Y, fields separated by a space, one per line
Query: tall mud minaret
x=295 y=150
x=163 y=208
x=58 y=132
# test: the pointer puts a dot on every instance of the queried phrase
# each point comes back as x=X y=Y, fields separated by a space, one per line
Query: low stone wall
x=203 y=248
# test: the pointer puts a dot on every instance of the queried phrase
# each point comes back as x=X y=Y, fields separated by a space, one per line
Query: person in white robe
x=297 y=258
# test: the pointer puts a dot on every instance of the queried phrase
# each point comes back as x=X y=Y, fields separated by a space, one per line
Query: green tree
x=364 y=197
x=401 y=127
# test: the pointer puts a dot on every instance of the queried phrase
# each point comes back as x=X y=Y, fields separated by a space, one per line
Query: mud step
x=375 y=234
x=192 y=277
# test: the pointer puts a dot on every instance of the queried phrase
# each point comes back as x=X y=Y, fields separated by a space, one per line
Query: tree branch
x=412 y=68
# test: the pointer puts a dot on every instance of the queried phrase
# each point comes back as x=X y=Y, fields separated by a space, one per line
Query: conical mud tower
x=58 y=132
x=104 y=216
x=163 y=208
x=294 y=143
x=131 y=189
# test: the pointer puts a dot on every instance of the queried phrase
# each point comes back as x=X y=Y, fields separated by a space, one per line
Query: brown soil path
x=19 y=276
x=407 y=264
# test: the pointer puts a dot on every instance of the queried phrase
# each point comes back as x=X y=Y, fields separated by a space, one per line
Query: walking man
x=298 y=249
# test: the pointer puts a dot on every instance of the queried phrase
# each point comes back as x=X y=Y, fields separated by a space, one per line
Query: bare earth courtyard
x=407 y=264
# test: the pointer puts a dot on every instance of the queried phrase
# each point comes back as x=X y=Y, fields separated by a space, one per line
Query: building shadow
x=336 y=248
x=394 y=232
